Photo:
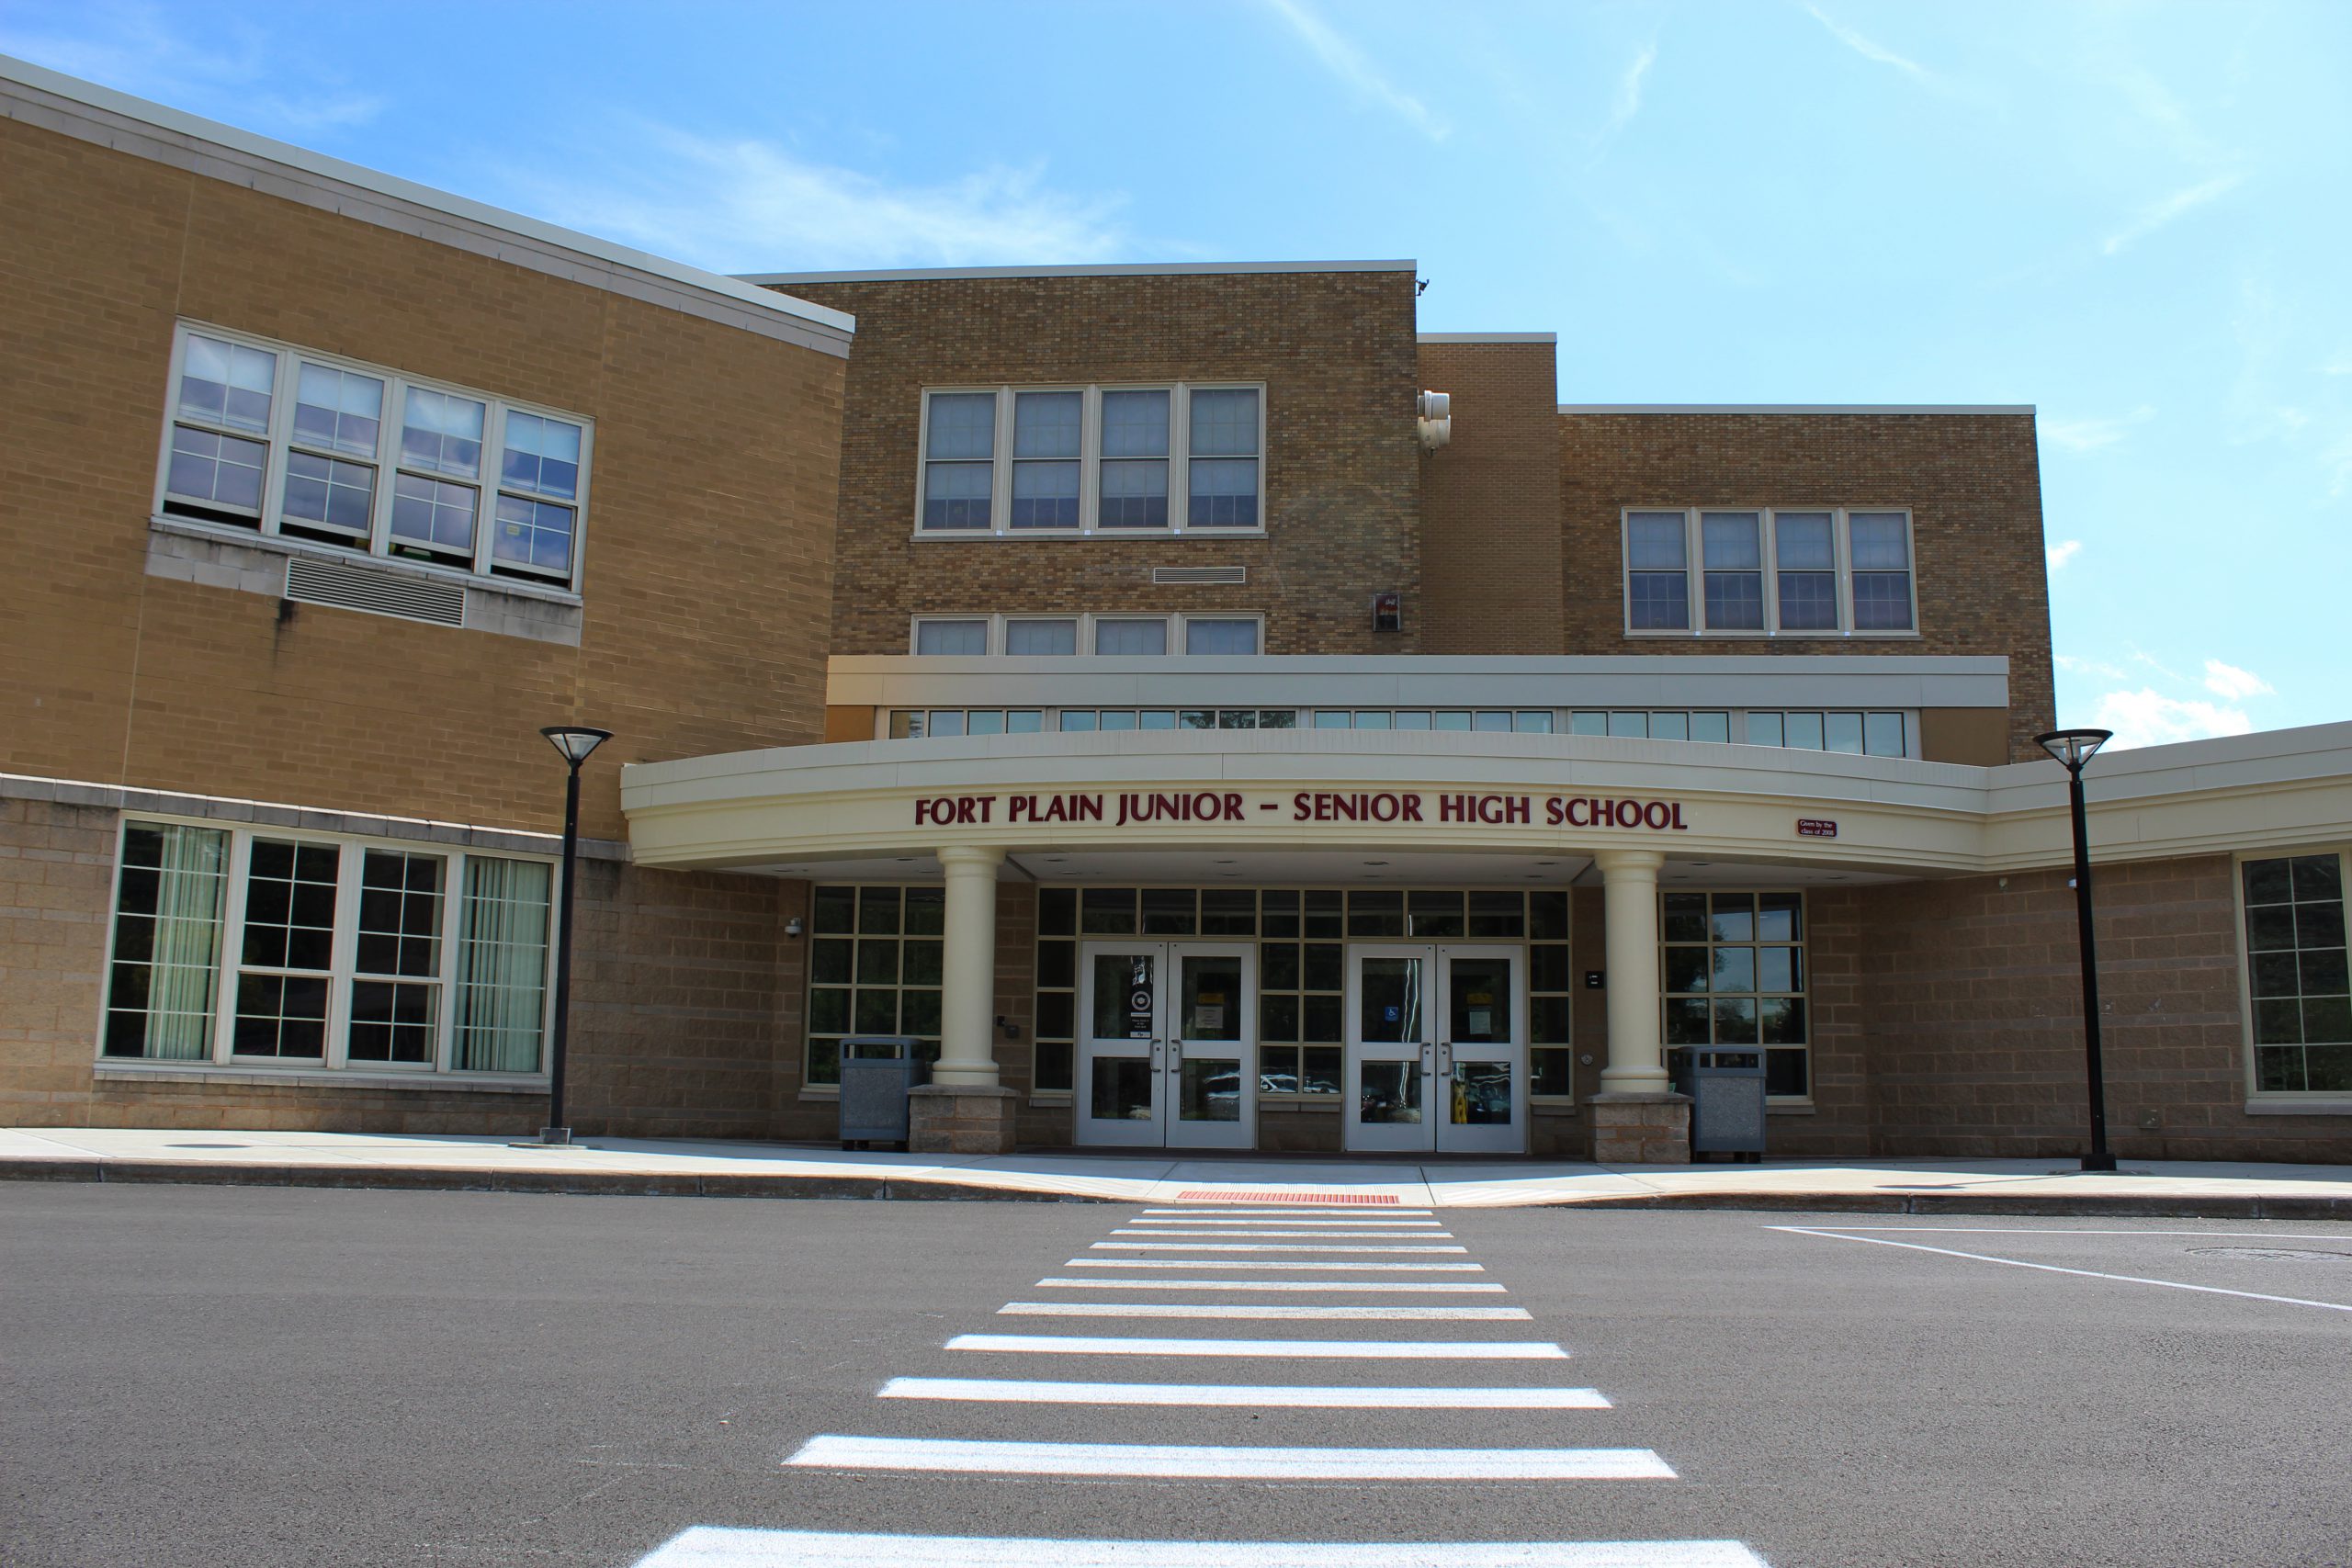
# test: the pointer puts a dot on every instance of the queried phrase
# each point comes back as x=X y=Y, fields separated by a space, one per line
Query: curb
x=583 y=1183
x=626 y=1184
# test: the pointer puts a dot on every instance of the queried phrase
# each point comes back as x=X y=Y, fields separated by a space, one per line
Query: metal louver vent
x=1200 y=574
x=376 y=592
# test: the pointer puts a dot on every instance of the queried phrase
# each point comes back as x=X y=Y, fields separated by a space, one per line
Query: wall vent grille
x=376 y=592
x=1200 y=574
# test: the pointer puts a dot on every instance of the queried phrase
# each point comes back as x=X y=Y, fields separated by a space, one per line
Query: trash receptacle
x=878 y=1070
x=1725 y=1084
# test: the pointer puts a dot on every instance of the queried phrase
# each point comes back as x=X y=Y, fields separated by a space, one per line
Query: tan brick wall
x=1490 y=503
x=56 y=890
x=1973 y=1002
x=1973 y=484
x=1341 y=464
x=707 y=550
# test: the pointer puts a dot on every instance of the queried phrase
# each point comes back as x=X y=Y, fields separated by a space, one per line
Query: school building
x=1199 y=707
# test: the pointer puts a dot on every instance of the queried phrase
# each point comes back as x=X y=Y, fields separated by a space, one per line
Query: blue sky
x=2137 y=216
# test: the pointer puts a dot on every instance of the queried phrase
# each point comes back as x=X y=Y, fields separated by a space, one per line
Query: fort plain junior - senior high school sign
x=1382 y=806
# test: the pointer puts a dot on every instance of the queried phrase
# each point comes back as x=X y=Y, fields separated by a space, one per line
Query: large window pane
x=1125 y=637
x=1133 y=474
x=1806 y=555
x=165 y=980
x=227 y=383
x=329 y=493
x=1735 y=576
x=542 y=455
x=1882 y=561
x=338 y=410
x=1657 y=561
x=1046 y=431
x=1220 y=635
x=534 y=535
x=441 y=434
x=501 y=966
x=1034 y=638
x=963 y=638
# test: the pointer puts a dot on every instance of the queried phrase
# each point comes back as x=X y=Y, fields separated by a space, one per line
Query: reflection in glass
x=1209 y=1090
x=1122 y=1089
x=1123 y=996
x=1479 y=1007
x=1482 y=1093
x=1390 y=1003
x=1391 y=1092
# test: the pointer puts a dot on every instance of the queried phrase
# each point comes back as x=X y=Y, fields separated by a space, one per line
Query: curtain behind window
x=501 y=966
x=192 y=870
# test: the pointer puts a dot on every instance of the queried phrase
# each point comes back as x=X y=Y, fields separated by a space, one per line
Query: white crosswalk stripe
x=1279 y=1350
x=707 y=1546
x=1256 y=1263
x=1016 y=1391
x=1424 y=1287
x=1166 y=1309
x=1258 y=1247
x=1353 y=1218
x=1302 y=1235
x=1172 y=1461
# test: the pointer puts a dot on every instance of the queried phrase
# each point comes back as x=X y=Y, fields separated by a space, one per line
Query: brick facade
x=1972 y=482
x=1340 y=476
x=1490 y=503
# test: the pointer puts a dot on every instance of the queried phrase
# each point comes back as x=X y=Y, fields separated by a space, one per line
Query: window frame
x=2309 y=1102
x=1694 y=573
x=379 y=544
x=1756 y=942
x=229 y=962
x=997 y=626
x=1090 y=457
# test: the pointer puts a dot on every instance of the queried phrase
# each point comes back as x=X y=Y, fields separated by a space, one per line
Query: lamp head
x=575 y=741
x=2072 y=747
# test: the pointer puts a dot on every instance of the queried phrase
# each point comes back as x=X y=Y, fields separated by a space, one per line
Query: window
x=257 y=947
x=1220 y=635
x=1770 y=572
x=1091 y=461
x=1107 y=636
x=1731 y=970
x=1029 y=638
x=1130 y=637
x=2299 y=993
x=875 y=968
x=967 y=637
x=305 y=446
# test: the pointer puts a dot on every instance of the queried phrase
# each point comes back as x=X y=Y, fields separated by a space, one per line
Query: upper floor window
x=305 y=446
x=974 y=636
x=1091 y=460
x=1825 y=571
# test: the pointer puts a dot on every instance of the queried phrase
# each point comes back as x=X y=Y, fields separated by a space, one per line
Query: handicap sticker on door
x=1391 y=1013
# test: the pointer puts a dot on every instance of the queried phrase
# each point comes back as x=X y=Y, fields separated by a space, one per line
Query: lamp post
x=575 y=741
x=2072 y=747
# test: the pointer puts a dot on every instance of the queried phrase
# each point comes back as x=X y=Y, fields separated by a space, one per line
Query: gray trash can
x=877 y=1072
x=1725 y=1084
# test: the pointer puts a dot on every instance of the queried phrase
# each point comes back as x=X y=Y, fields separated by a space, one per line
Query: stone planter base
x=1641 y=1129
x=960 y=1119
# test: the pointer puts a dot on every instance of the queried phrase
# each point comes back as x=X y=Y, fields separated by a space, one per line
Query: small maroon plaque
x=1816 y=828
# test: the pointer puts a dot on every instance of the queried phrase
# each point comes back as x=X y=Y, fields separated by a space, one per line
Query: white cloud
x=2171 y=208
x=2236 y=684
x=749 y=206
x=2075 y=666
x=2061 y=552
x=225 y=69
x=2090 y=434
x=1628 y=102
x=1872 y=51
x=1349 y=64
x=2148 y=717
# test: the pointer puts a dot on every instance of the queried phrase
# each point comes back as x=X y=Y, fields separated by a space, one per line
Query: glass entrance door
x=1167 y=1053
x=1390 y=1051
x=1481 y=1049
x=1437 y=1048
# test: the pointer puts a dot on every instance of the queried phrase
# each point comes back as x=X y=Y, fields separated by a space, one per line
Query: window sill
x=1051 y=1100
x=1791 y=1108
x=124 y=1072
x=819 y=1094
x=1674 y=635
x=278 y=544
x=994 y=534
x=2315 y=1105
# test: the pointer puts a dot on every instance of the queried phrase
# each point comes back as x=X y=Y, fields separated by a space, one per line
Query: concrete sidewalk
x=686 y=1167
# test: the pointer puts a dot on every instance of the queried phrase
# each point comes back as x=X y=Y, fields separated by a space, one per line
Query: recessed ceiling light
x=1376 y=862
x=1224 y=862
x=1547 y=862
x=904 y=859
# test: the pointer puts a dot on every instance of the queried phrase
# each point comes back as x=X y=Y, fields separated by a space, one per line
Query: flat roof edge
x=24 y=86
x=1078 y=269
x=2012 y=410
x=1487 y=337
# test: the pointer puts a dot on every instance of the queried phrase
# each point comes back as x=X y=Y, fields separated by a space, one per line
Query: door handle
x=1175 y=1054
x=1426 y=1051
x=1155 y=1053
x=1445 y=1059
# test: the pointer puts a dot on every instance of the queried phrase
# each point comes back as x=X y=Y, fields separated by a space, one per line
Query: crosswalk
x=1235 y=1259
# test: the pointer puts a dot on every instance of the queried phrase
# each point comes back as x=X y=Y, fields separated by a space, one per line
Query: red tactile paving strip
x=1219 y=1195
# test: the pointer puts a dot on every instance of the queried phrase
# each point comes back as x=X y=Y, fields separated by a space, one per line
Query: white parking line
x=1205 y=1463
x=1254 y=1247
x=1423 y=1287
x=2343 y=1235
x=1162 y=1309
x=1280 y=1350
x=710 y=1546
x=1305 y=1236
x=2054 y=1268
x=1385 y=1216
x=1016 y=1392
x=1269 y=1263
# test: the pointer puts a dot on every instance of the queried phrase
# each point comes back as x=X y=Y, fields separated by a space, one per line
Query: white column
x=968 y=986
x=1628 y=893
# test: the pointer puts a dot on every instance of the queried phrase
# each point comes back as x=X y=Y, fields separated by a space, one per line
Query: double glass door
x=1437 y=1048
x=1167 y=1052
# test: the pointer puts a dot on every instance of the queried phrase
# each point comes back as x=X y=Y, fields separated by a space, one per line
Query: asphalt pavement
x=257 y=1376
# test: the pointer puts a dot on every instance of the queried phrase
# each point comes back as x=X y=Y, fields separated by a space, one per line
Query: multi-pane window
x=874 y=965
x=305 y=446
x=2300 y=989
x=1040 y=637
x=1820 y=571
x=1130 y=637
x=1489 y=721
x=1301 y=972
x=1203 y=634
x=962 y=638
x=1108 y=636
x=1860 y=734
x=253 y=946
x=1092 y=460
x=1732 y=968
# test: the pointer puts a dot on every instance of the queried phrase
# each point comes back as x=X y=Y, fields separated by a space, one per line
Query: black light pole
x=575 y=741
x=2072 y=747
